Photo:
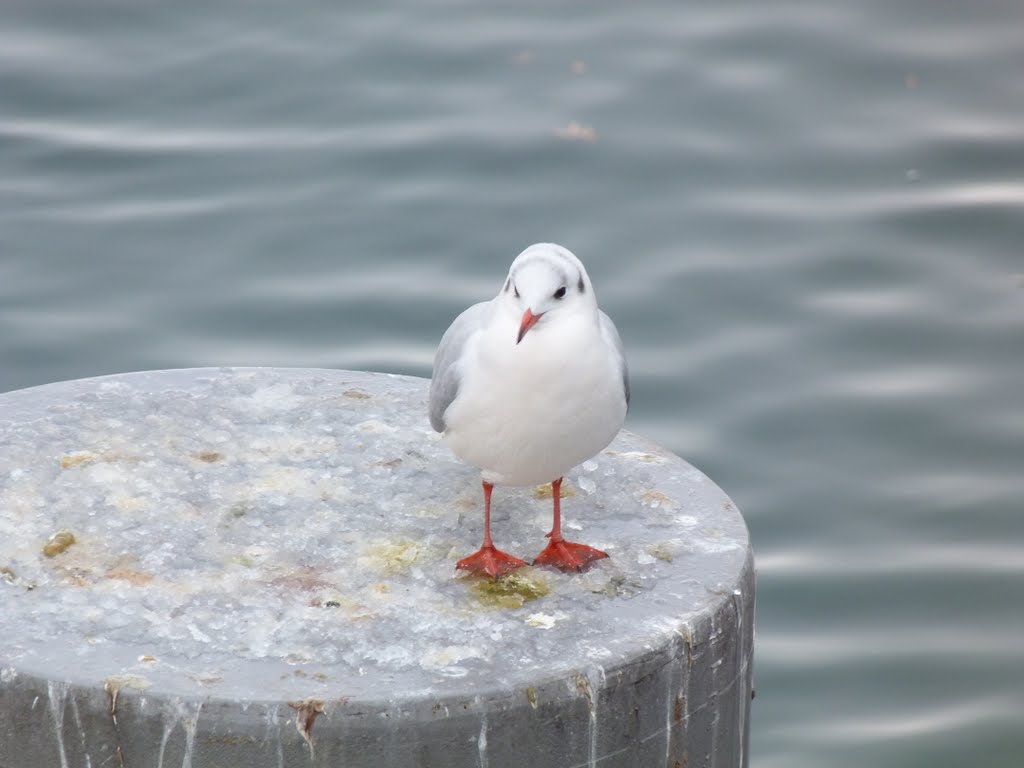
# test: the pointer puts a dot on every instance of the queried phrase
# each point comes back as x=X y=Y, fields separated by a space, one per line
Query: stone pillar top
x=278 y=535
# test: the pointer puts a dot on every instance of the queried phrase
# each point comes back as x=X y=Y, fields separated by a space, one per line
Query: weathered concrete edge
x=681 y=705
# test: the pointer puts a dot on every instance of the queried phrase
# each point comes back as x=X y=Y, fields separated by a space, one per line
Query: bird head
x=545 y=282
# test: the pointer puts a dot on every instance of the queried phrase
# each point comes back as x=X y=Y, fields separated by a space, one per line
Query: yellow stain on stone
x=531 y=696
x=133 y=576
x=541 y=620
x=58 y=543
x=355 y=394
x=77 y=459
x=307 y=711
x=643 y=456
x=210 y=457
x=375 y=425
x=320 y=677
x=85 y=458
x=394 y=557
x=656 y=499
x=114 y=684
x=511 y=591
x=207 y=678
x=660 y=551
x=126 y=503
x=546 y=492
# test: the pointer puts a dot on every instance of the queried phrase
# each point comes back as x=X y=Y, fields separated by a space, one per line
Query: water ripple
x=139 y=137
x=966 y=558
x=937 y=718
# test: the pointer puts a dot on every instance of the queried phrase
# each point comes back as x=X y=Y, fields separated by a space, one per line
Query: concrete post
x=255 y=567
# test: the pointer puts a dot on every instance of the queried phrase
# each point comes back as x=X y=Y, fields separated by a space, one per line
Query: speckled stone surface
x=262 y=573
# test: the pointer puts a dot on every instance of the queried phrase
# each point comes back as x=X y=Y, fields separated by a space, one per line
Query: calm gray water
x=807 y=219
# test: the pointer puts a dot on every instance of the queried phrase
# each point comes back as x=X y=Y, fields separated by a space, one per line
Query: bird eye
x=560 y=293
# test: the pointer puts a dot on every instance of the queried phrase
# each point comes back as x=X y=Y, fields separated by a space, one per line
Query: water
x=806 y=219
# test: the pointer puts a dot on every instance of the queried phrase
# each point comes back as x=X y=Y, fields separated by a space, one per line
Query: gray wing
x=611 y=335
x=444 y=384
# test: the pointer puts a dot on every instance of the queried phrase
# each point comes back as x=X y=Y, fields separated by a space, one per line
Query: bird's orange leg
x=560 y=553
x=489 y=560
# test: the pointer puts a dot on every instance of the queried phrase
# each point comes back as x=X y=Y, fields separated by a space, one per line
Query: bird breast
x=527 y=413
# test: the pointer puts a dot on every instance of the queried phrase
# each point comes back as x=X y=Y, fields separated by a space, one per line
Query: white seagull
x=528 y=385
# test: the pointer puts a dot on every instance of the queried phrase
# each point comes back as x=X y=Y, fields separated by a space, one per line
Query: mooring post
x=255 y=567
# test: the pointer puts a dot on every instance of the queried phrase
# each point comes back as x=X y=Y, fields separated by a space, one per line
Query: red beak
x=529 y=320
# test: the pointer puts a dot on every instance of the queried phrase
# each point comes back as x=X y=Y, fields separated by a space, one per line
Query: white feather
x=526 y=413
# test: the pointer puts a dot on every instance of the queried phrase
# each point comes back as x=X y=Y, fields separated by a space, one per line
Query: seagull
x=528 y=385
